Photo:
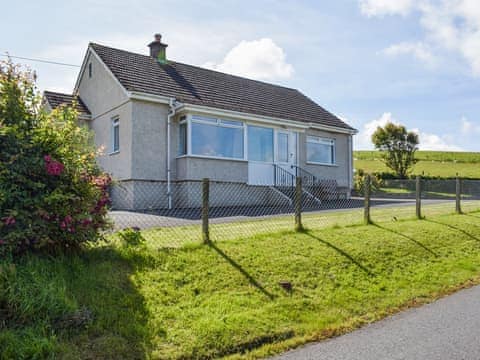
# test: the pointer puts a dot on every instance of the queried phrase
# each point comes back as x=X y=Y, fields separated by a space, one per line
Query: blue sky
x=367 y=61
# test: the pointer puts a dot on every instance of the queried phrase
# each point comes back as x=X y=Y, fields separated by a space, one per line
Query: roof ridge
x=199 y=67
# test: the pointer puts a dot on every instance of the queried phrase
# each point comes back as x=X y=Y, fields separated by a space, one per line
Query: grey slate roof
x=56 y=99
x=198 y=86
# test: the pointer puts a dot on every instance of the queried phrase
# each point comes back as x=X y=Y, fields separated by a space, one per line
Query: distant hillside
x=430 y=163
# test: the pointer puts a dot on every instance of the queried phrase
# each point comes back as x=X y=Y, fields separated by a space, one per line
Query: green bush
x=359 y=182
x=132 y=237
x=53 y=196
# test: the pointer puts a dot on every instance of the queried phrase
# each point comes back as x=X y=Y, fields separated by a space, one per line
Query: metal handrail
x=283 y=177
x=308 y=179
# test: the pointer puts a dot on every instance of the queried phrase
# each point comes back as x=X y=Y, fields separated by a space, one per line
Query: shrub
x=359 y=182
x=132 y=237
x=53 y=196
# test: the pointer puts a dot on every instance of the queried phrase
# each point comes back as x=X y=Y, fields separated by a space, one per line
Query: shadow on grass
x=237 y=266
x=340 y=251
x=455 y=228
x=408 y=238
x=100 y=280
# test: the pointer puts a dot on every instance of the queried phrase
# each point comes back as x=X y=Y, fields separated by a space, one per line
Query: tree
x=53 y=196
x=398 y=147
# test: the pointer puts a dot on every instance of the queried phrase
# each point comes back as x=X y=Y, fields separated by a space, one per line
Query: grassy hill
x=430 y=163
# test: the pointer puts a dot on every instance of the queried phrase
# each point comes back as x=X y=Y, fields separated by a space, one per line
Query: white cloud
x=385 y=7
x=450 y=25
x=418 y=50
x=259 y=59
x=363 y=140
x=435 y=142
x=469 y=128
x=428 y=141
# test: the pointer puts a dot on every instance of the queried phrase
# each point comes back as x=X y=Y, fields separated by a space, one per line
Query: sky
x=369 y=62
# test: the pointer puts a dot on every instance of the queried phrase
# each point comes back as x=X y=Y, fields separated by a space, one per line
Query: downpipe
x=173 y=109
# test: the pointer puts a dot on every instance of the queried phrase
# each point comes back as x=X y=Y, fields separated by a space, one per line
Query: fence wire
x=174 y=216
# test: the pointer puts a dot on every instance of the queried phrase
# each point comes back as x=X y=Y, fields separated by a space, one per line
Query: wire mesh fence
x=200 y=211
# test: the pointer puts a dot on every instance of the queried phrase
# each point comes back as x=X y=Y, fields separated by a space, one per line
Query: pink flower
x=47 y=158
x=54 y=168
x=86 y=222
x=63 y=225
x=10 y=220
x=68 y=219
x=2 y=242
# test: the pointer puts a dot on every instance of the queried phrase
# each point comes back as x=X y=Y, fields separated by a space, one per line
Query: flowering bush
x=53 y=196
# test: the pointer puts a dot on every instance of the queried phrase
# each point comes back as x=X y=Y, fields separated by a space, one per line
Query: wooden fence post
x=366 y=189
x=298 y=204
x=458 y=197
x=418 y=197
x=205 y=205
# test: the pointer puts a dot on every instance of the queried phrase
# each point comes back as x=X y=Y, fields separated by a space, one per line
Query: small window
x=90 y=70
x=320 y=150
x=115 y=135
x=182 y=139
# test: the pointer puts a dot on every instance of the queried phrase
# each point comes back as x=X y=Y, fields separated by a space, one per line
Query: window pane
x=182 y=140
x=282 y=147
x=320 y=152
x=231 y=122
x=260 y=144
x=204 y=118
x=116 y=137
x=213 y=140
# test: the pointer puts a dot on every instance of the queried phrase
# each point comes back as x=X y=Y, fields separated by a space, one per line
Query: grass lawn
x=431 y=163
x=224 y=299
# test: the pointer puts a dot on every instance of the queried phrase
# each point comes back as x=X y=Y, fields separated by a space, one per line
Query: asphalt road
x=448 y=329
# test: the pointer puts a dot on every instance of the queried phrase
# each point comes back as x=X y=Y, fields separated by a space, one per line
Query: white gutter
x=200 y=109
x=173 y=109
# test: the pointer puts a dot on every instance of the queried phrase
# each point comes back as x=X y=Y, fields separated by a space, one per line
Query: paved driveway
x=181 y=217
x=448 y=329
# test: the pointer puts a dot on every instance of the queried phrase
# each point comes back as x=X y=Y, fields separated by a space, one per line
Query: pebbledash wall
x=140 y=169
x=140 y=175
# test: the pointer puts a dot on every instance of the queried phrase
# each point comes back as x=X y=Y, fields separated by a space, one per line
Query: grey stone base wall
x=144 y=195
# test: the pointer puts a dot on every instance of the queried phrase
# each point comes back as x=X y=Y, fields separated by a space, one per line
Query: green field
x=224 y=299
x=430 y=163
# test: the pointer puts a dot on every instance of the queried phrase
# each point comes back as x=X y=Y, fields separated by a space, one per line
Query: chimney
x=158 y=49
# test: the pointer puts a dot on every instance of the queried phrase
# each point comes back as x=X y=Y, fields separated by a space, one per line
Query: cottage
x=166 y=125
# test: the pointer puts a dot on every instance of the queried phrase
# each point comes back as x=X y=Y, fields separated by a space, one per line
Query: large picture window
x=320 y=150
x=260 y=144
x=217 y=138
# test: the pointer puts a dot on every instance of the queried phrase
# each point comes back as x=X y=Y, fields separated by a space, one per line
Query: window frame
x=183 y=121
x=315 y=139
x=212 y=121
x=190 y=118
x=115 y=124
x=90 y=70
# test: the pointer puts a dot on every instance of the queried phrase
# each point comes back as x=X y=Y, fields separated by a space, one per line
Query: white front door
x=286 y=150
